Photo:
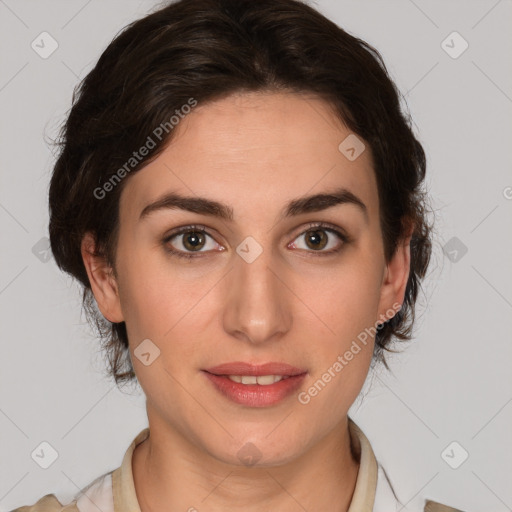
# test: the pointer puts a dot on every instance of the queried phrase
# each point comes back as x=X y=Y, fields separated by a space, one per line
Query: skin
x=254 y=152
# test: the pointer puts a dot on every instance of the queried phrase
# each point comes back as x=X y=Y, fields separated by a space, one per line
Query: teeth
x=262 y=380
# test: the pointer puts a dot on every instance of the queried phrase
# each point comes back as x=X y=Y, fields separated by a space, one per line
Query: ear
x=103 y=283
x=396 y=275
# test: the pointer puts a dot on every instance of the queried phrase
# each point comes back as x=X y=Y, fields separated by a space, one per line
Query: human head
x=202 y=51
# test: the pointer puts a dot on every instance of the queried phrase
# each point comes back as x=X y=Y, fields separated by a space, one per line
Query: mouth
x=262 y=380
x=256 y=385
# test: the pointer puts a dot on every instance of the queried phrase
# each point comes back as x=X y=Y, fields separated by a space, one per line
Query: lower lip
x=256 y=395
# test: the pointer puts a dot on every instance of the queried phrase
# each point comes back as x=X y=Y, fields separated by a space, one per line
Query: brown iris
x=318 y=239
x=193 y=240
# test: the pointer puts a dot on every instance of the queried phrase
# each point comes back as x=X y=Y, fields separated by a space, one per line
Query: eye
x=190 y=240
x=319 y=237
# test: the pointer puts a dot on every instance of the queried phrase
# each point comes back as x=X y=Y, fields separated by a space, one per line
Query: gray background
x=453 y=383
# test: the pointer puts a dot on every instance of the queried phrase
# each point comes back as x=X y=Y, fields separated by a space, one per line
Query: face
x=276 y=279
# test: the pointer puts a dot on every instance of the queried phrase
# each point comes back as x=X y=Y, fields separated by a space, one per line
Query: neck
x=170 y=473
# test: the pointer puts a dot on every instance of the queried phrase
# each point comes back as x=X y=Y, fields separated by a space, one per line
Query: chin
x=258 y=450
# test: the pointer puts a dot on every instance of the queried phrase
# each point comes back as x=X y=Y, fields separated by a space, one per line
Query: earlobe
x=102 y=281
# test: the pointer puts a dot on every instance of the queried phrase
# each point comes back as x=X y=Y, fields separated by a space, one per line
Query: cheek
x=148 y=299
x=346 y=308
x=343 y=353
x=348 y=301
x=164 y=304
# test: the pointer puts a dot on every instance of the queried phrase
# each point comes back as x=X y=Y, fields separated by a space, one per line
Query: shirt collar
x=366 y=484
x=125 y=498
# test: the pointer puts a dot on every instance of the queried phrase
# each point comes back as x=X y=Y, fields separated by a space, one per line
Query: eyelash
x=202 y=229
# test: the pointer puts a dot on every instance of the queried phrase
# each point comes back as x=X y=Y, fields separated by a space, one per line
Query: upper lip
x=241 y=368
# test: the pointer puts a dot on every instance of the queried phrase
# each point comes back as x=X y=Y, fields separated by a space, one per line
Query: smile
x=262 y=380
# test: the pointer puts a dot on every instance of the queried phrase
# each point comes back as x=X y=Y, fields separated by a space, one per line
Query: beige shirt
x=115 y=490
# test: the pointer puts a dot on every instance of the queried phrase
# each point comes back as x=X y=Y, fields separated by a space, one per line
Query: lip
x=241 y=368
x=255 y=395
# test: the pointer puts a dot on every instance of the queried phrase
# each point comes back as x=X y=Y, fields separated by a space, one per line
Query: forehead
x=257 y=150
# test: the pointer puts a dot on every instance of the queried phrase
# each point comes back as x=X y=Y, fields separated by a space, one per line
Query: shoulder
x=387 y=500
x=433 y=506
x=48 y=503
x=96 y=496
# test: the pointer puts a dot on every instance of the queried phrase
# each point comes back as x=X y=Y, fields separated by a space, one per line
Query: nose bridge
x=256 y=308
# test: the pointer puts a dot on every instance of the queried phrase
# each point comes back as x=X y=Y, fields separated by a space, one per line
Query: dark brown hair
x=205 y=50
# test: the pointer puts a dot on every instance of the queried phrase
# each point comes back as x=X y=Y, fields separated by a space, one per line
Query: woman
x=240 y=196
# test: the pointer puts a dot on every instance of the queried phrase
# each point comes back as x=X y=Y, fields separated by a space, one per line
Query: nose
x=258 y=305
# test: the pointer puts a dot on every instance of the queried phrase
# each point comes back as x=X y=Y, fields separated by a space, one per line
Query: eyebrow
x=301 y=205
